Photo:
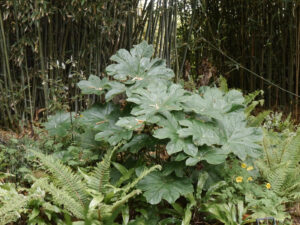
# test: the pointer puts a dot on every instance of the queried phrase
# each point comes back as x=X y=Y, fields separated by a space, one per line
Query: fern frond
x=280 y=165
x=107 y=210
x=257 y=120
x=292 y=151
x=62 y=197
x=65 y=178
x=277 y=178
x=11 y=204
x=141 y=176
x=125 y=198
x=9 y=211
x=101 y=175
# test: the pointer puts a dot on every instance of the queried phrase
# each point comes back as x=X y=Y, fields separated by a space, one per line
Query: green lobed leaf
x=102 y=119
x=202 y=132
x=212 y=155
x=157 y=187
x=115 y=88
x=157 y=98
x=241 y=140
x=113 y=134
x=59 y=124
x=169 y=129
x=214 y=103
x=94 y=85
x=98 y=115
x=136 y=67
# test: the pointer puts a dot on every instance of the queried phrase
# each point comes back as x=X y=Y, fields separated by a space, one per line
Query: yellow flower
x=81 y=116
x=250 y=168
x=268 y=185
x=250 y=179
x=244 y=165
x=239 y=179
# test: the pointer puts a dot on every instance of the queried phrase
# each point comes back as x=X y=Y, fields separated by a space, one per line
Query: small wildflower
x=243 y=165
x=250 y=179
x=81 y=115
x=239 y=179
x=268 y=185
x=250 y=168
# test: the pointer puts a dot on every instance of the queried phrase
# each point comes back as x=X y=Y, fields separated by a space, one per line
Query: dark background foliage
x=47 y=46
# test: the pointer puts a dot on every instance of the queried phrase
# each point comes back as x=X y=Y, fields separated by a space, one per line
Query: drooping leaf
x=94 y=85
x=113 y=134
x=115 y=88
x=59 y=124
x=103 y=119
x=157 y=187
x=99 y=114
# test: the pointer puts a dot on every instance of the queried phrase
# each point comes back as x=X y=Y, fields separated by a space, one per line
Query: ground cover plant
x=151 y=152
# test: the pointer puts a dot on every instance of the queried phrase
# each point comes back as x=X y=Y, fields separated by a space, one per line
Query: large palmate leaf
x=176 y=144
x=99 y=114
x=137 y=67
x=59 y=124
x=103 y=120
x=240 y=139
x=94 y=85
x=113 y=134
x=170 y=188
x=115 y=88
x=214 y=103
x=210 y=154
x=202 y=132
x=157 y=98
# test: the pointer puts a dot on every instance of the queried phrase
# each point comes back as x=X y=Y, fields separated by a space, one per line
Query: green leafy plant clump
x=143 y=122
x=192 y=127
x=207 y=122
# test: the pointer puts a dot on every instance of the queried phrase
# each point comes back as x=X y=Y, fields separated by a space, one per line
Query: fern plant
x=12 y=203
x=84 y=196
x=87 y=195
x=280 y=164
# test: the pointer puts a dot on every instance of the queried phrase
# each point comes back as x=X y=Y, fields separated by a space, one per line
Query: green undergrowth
x=151 y=152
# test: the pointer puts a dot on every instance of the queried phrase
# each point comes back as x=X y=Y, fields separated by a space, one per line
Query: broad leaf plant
x=154 y=115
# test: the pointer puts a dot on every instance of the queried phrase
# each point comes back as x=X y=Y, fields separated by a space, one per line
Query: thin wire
x=250 y=71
